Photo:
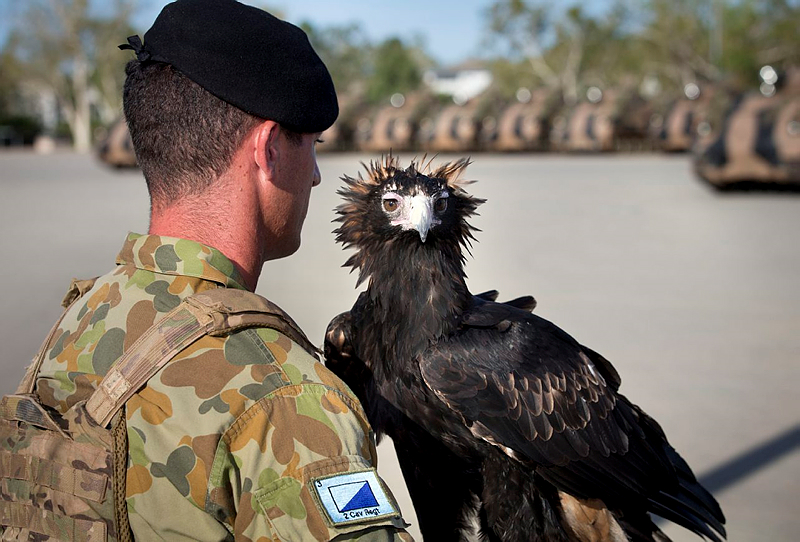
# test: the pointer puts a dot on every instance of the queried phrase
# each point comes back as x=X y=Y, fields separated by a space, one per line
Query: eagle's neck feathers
x=415 y=297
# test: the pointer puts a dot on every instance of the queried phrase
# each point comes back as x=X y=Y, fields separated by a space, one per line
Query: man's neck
x=230 y=227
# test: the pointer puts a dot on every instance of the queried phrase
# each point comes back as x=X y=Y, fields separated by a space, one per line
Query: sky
x=451 y=30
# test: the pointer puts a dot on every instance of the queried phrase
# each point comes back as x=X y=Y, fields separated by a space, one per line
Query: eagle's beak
x=421 y=215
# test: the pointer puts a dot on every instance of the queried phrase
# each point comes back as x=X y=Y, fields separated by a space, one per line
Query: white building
x=462 y=84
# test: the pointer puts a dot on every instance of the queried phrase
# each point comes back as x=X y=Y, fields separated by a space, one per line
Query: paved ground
x=695 y=296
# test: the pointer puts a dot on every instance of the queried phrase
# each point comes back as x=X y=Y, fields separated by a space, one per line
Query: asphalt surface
x=693 y=295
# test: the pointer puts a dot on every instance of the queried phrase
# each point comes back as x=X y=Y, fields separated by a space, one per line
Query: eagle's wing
x=525 y=302
x=528 y=388
x=339 y=350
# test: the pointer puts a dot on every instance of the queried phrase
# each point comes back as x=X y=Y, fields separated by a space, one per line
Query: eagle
x=497 y=415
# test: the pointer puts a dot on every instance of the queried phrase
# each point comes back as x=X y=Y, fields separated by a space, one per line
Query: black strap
x=135 y=44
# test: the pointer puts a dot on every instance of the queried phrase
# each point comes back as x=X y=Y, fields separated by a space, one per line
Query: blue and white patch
x=353 y=497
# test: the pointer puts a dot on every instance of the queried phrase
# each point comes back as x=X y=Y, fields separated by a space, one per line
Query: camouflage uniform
x=224 y=441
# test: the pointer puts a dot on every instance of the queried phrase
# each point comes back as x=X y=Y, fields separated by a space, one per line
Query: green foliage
x=69 y=48
x=345 y=51
x=108 y=73
x=673 y=41
x=758 y=33
x=11 y=73
x=66 y=48
x=395 y=69
x=522 y=26
x=365 y=71
x=509 y=76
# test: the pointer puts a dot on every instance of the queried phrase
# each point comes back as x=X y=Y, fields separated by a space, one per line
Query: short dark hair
x=184 y=136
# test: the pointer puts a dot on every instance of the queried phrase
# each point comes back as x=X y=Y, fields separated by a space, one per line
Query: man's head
x=209 y=73
x=184 y=136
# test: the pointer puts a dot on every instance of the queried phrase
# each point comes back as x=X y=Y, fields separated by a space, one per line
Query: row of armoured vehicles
x=735 y=139
x=535 y=121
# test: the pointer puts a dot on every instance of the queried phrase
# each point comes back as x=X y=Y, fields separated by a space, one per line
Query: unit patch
x=354 y=497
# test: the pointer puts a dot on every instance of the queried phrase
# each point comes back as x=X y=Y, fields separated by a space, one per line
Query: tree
x=559 y=47
x=525 y=31
x=720 y=41
x=674 y=41
x=395 y=69
x=758 y=33
x=108 y=62
x=68 y=49
x=345 y=51
x=10 y=74
x=677 y=37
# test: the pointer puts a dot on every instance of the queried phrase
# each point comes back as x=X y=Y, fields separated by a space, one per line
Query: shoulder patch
x=353 y=497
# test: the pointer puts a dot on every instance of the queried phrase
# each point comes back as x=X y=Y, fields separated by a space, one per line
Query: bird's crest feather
x=357 y=192
x=380 y=170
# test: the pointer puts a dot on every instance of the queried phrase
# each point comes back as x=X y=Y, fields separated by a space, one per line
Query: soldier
x=238 y=435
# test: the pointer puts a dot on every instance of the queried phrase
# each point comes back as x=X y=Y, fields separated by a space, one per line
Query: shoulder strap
x=76 y=290
x=216 y=312
x=234 y=309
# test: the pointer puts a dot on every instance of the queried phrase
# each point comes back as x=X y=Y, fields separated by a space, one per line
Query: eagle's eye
x=441 y=205
x=390 y=205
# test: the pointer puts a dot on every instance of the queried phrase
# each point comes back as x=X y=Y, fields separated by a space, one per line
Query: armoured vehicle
x=687 y=116
x=524 y=125
x=340 y=136
x=393 y=126
x=612 y=120
x=759 y=138
x=116 y=149
x=454 y=128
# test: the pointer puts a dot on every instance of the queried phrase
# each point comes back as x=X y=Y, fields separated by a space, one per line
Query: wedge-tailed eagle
x=492 y=409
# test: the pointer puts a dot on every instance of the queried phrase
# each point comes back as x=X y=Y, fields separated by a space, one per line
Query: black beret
x=247 y=57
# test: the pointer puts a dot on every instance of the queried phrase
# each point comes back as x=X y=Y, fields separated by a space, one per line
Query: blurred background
x=719 y=77
x=641 y=161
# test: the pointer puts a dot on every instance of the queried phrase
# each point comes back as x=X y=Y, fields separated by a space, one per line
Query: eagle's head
x=413 y=209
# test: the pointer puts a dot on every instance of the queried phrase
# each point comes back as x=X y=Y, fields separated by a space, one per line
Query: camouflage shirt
x=245 y=437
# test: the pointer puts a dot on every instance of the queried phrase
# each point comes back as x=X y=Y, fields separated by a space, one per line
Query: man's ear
x=265 y=148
